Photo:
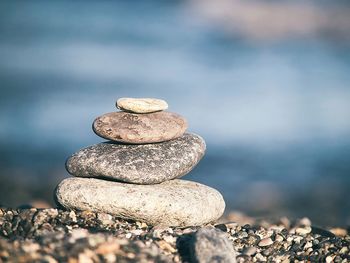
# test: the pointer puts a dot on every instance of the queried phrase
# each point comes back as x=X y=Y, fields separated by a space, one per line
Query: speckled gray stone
x=173 y=203
x=140 y=128
x=212 y=245
x=140 y=164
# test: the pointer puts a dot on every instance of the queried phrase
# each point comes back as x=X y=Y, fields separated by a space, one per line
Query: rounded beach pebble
x=141 y=105
x=140 y=128
x=140 y=164
x=172 y=203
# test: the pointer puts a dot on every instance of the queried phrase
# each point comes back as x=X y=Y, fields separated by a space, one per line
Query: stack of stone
x=133 y=175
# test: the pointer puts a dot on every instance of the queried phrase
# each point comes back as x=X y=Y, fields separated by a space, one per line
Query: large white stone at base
x=173 y=203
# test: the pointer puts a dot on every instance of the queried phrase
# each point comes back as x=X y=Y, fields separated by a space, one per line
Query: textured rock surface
x=142 y=164
x=212 y=245
x=55 y=235
x=140 y=128
x=173 y=203
x=141 y=105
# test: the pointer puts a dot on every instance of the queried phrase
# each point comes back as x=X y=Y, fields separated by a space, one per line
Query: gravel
x=54 y=235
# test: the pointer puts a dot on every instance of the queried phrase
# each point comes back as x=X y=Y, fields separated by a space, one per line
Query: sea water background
x=275 y=115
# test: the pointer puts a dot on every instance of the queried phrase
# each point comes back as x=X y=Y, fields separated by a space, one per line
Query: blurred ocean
x=275 y=114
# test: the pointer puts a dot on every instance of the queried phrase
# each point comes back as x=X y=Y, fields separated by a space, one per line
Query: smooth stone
x=249 y=251
x=141 y=105
x=173 y=203
x=212 y=245
x=140 y=164
x=265 y=242
x=140 y=128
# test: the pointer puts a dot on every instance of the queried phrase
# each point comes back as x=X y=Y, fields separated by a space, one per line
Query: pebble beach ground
x=54 y=235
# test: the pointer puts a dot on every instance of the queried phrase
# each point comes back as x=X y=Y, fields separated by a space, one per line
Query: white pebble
x=265 y=242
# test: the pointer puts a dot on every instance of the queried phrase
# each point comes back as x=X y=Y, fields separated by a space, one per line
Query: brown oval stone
x=140 y=128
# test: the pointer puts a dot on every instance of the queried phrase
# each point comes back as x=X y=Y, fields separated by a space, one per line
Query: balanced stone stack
x=134 y=174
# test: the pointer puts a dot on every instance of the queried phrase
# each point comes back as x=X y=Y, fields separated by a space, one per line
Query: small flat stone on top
x=141 y=105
